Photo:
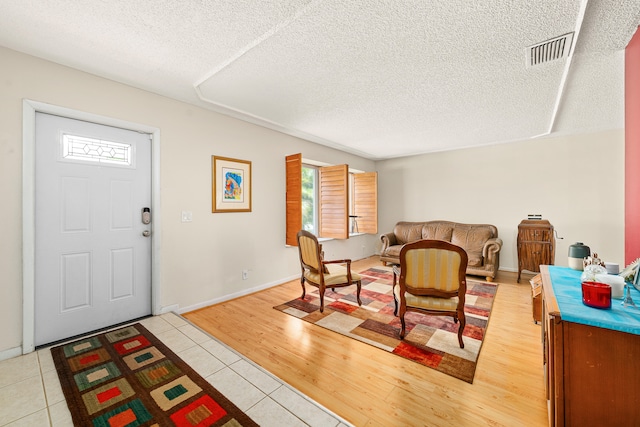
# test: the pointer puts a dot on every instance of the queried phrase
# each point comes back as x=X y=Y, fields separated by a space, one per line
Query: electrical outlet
x=245 y=274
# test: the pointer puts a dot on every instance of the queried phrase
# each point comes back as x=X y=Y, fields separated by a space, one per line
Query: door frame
x=29 y=110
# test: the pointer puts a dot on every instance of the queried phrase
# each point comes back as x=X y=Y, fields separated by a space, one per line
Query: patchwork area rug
x=128 y=377
x=430 y=340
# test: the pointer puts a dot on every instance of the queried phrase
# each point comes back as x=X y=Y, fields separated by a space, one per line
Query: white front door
x=92 y=261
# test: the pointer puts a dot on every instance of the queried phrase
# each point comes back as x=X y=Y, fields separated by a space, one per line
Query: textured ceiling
x=380 y=79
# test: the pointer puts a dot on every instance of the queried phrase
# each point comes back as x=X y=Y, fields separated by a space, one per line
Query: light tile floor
x=30 y=392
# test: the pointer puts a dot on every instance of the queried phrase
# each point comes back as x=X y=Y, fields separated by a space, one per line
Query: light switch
x=187 y=216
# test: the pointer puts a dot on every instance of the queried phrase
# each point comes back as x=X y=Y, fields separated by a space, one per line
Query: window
x=309 y=197
x=95 y=150
x=321 y=199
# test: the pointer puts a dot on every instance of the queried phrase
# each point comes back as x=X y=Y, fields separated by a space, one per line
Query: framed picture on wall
x=231 y=185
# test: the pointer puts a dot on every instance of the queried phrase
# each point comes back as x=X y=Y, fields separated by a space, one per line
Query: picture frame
x=629 y=273
x=231 y=185
x=636 y=278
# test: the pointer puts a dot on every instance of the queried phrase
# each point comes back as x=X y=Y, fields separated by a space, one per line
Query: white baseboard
x=169 y=309
x=234 y=295
x=12 y=352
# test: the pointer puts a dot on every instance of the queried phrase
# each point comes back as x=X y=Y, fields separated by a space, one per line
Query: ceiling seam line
x=565 y=72
x=269 y=124
x=267 y=35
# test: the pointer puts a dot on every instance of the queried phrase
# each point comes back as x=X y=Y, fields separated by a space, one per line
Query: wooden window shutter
x=293 y=198
x=334 y=202
x=365 y=201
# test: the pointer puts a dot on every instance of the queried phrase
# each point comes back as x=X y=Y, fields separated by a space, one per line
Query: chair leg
x=304 y=291
x=359 y=288
x=403 y=326
x=463 y=322
x=321 y=292
x=393 y=291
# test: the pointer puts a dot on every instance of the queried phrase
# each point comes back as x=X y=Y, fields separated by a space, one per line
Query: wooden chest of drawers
x=591 y=372
x=536 y=245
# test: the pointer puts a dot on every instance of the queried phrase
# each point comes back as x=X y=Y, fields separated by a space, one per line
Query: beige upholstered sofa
x=480 y=241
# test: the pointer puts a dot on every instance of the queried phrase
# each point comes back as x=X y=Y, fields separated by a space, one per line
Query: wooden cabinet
x=536 y=245
x=536 y=298
x=591 y=372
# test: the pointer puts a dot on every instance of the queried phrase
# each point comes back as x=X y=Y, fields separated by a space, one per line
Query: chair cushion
x=337 y=276
x=309 y=251
x=428 y=303
x=432 y=268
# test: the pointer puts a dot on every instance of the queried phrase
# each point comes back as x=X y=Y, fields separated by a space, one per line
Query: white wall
x=202 y=261
x=576 y=182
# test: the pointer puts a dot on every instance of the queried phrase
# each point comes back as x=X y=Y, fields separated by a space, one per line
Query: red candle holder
x=597 y=295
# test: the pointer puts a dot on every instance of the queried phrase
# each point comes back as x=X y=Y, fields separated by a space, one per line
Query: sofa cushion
x=407 y=232
x=437 y=231
x=472 y=239
x=393 y=251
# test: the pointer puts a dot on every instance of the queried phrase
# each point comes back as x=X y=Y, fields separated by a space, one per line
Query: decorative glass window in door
x=96 y=150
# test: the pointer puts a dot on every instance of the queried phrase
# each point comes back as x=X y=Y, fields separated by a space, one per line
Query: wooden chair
x=432 y=281
x=323 y=274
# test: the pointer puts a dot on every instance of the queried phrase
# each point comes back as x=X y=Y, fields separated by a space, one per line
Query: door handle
x=146 y=233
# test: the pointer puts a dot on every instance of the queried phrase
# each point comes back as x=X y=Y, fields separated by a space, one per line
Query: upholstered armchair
x=432 y=281
x=323 y=274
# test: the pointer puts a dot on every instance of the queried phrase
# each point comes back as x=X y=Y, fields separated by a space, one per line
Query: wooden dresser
x=536 y=245
x=592 y=373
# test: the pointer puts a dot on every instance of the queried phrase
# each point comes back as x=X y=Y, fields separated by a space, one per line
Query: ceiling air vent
x=550 y=50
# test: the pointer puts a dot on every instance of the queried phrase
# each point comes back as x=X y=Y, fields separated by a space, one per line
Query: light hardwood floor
x=370 y=387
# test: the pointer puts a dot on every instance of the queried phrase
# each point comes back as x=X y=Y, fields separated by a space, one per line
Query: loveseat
x=480 y=241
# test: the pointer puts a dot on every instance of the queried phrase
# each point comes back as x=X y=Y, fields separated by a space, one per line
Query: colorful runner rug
x=128 y=377
x=430 y=340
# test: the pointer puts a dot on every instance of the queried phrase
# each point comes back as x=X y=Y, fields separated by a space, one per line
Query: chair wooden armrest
x=341 y=261
x=338 y=261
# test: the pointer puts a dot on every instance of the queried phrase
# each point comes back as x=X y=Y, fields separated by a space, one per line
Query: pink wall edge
x=632 y=150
